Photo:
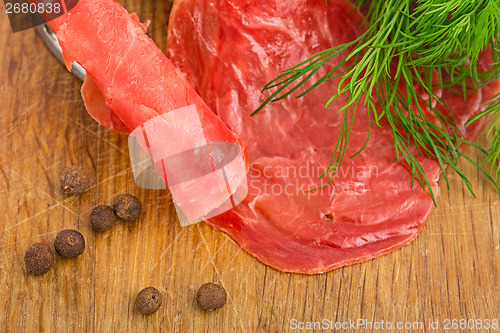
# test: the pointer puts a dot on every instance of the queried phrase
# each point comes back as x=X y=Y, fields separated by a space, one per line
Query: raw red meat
x=229 y=49
x=131 y=76
x=96 y=106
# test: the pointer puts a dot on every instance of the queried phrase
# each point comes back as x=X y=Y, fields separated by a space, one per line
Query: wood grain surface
x=451 y=271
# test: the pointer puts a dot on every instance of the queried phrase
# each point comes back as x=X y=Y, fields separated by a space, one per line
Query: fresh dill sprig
x=493 y=154
x=451 y=34
x=409 y=49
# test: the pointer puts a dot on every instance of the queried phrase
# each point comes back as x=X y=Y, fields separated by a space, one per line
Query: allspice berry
x=211 y=296
x=39 y=259
x=74 y=180
x=69 y=243
x=127 y=207
x=102 y=218
x=148 y=301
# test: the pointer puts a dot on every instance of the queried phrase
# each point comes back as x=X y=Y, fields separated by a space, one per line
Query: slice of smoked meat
x=229 y=50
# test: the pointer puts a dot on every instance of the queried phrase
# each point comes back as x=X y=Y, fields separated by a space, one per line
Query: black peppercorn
x=74 y=180
x=211 y=296
x=148 y=301
x=127 y=207
x=39 y=259
x=69 y=243
x=102 y=218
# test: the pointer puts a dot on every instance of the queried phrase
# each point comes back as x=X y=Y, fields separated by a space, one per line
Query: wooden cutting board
x=451 y=271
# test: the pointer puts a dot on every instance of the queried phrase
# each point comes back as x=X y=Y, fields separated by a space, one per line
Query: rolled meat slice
x=145 y=94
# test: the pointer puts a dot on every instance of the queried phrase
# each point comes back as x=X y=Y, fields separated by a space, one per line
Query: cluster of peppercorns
x=39 y=259
x=75 y=180
x=125 y=206
x=68 y=243
x=209 y=297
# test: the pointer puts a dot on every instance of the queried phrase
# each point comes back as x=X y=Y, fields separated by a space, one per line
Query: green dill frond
x=493 y=154
x=430 y=44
